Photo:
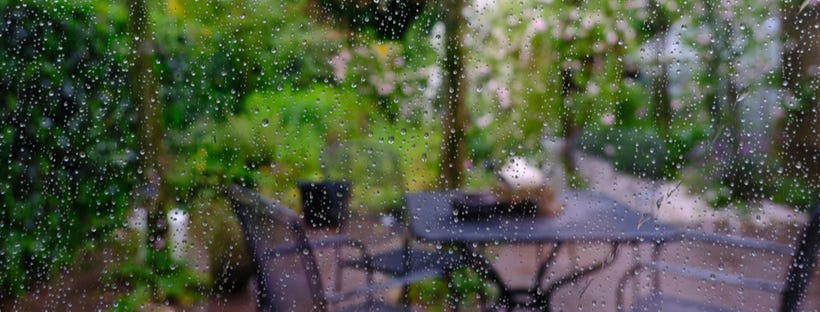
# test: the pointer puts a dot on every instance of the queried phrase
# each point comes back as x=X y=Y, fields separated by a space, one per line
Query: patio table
x=588 y=217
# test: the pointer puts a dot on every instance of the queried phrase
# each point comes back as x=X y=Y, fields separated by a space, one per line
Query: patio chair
x=377 y=180
x=791 y=290
x=287 y=274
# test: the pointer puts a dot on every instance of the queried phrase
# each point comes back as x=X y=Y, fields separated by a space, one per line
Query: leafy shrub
x=793 y=191
x=278 y=139
x=65 y=135
x=466 y=286
x=174 y=283
x=640 y=152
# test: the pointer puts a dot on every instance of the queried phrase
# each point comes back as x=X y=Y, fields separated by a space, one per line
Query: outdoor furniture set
x=288 y=276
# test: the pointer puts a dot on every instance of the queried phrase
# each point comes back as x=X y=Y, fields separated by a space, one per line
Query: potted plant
x=324 y=203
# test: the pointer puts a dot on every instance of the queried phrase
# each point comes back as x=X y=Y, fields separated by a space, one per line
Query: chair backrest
x=803 y=264
x=287 y=275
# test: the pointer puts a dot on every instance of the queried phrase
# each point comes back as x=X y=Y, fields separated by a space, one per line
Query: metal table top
x=588 y=217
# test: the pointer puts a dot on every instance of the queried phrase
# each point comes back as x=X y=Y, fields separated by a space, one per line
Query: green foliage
x=172 y=282
x=430 y=292
x=521 y=93
x=418 y=52
x=66 y=135
x=374 y=170
x=792 y=191
x=467 y=286
x=279 y=137
x=639 y=151
x=389 y=19
x=743 y=178
x=480 y=179
x=393 y=74
x=215 y=53
x=748 y=186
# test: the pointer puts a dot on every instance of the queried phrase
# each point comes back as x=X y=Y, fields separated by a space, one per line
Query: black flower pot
x=324 y=204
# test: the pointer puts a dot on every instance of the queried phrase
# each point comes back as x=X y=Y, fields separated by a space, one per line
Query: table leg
x=543 y=300
x=620 y=290
x=542 y=267
x=540 y=298
x=656 y=256
x=484 y=267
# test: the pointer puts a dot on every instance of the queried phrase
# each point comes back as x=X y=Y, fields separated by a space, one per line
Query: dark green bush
x=467 y=286
x=66 y=148
x=640 y=152
x=174 y=282
x=793 y=191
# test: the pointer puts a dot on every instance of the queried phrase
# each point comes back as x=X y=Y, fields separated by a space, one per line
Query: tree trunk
x=454 y=112
x=801 y=73
x=718 y=59
x=569 y=127
x=661 y=105
x=723 y=162
x=144 y=96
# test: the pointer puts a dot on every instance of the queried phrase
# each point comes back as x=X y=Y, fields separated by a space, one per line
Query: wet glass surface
x=235 y=155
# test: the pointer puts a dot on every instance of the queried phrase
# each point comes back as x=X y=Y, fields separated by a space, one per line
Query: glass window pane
x=414 y=154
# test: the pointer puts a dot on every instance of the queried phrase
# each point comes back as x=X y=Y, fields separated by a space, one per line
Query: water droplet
x=265 y=122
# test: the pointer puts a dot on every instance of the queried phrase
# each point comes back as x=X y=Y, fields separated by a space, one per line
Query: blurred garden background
x=118 y=117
